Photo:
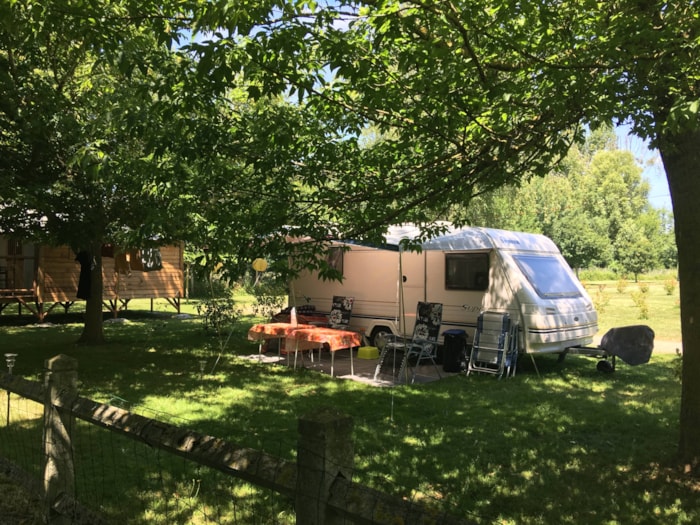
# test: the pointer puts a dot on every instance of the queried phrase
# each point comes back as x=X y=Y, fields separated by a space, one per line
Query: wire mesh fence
x=128 y=481
x=124 y=467
x=123 y=480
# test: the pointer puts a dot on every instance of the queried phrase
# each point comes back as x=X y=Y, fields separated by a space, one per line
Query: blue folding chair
x=495 y=346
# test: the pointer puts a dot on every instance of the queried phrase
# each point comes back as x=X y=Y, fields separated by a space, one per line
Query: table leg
x=352 y=364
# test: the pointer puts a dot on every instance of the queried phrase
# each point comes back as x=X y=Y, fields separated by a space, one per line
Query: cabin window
x=550 y=277
x=467 y=271
x=334 y=258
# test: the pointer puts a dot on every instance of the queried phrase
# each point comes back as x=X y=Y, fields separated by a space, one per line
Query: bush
x=600 y=299
x=678 y=365
x=219 y=316
x=670 y=286
x=622 y=285
x=640 y=300
x=597 y=274
x=270 y=296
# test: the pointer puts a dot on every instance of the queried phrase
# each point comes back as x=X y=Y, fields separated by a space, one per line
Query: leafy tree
x=580 y=239
x=480 y=93
x=77 y=127
x=635 y=252
x=111 y=135
x=582 y=204
x=614 y=189
x=668 y=251
x=467 y=96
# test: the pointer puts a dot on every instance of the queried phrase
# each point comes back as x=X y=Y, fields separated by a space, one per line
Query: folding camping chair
x=495 y=347
x=422 y=346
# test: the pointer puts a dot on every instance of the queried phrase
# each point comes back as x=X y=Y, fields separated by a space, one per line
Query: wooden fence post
x=59 y=476
x=325 y=451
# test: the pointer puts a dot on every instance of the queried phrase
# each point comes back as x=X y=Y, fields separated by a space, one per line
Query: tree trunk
x=93 y=333
x=681 y=158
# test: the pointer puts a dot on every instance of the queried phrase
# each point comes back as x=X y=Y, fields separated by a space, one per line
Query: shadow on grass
x=571 y=445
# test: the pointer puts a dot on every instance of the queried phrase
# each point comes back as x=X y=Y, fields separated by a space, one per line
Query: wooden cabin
x=43 y=277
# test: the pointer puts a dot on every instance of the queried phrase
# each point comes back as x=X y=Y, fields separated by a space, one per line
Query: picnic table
x=307 y=337
x=334 y=338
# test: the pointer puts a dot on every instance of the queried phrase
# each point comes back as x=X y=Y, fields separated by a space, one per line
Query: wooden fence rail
x=319 y=482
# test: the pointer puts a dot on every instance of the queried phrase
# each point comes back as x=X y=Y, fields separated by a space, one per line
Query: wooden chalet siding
x=59 y=274
x=167 y=282
x=57 y=279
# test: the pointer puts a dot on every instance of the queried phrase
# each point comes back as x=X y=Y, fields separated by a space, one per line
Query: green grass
x=618 y=308
x=570 y=446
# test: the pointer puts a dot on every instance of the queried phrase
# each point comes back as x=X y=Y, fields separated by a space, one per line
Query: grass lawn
x=615 y=302
x=571 y=446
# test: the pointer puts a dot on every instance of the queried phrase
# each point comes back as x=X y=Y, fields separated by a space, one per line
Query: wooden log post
x=59 y=475
x=324 y=453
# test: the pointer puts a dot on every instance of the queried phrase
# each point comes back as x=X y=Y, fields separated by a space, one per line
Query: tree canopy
x=594 y=205
x=186 y=110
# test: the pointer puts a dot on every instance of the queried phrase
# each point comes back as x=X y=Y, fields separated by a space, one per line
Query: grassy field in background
x=571 y=445
x=658 y=306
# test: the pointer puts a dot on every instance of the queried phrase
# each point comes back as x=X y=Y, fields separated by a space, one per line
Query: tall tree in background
x=594 y=195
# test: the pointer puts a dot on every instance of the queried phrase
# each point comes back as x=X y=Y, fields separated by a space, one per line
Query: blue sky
x=649 y=159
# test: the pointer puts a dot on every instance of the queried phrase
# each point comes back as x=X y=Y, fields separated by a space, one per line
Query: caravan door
x=411 y=289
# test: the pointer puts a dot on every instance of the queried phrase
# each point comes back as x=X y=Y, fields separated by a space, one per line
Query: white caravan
x=469 y=270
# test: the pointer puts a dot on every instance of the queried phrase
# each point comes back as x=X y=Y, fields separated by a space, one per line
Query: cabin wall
x=17 y=267
x=166 y=282
x=59 y=273
x=57 y=276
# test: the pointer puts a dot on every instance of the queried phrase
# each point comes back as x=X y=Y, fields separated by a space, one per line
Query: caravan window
x=548 y=275
x=467 y=271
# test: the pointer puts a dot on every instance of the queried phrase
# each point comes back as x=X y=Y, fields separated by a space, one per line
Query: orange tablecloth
x=307 y=337
x=274 y=330
x=335 y=339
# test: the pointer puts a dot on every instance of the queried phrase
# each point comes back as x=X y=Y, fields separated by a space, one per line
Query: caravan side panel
x=485 y=286
x=370 y=275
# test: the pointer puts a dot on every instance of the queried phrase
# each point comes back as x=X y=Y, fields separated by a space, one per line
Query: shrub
x=600 y=299
x=597 y=274
x=670 y=286
x=219 y=316
x=640 y=300
x=678 y=364
x=622 y=285
x=270 y=296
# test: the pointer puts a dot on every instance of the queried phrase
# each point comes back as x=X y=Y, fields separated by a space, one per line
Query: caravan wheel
x=379 y=336
x=605 y=366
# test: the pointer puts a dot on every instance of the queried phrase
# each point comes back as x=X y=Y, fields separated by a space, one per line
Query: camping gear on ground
x=454 y=350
